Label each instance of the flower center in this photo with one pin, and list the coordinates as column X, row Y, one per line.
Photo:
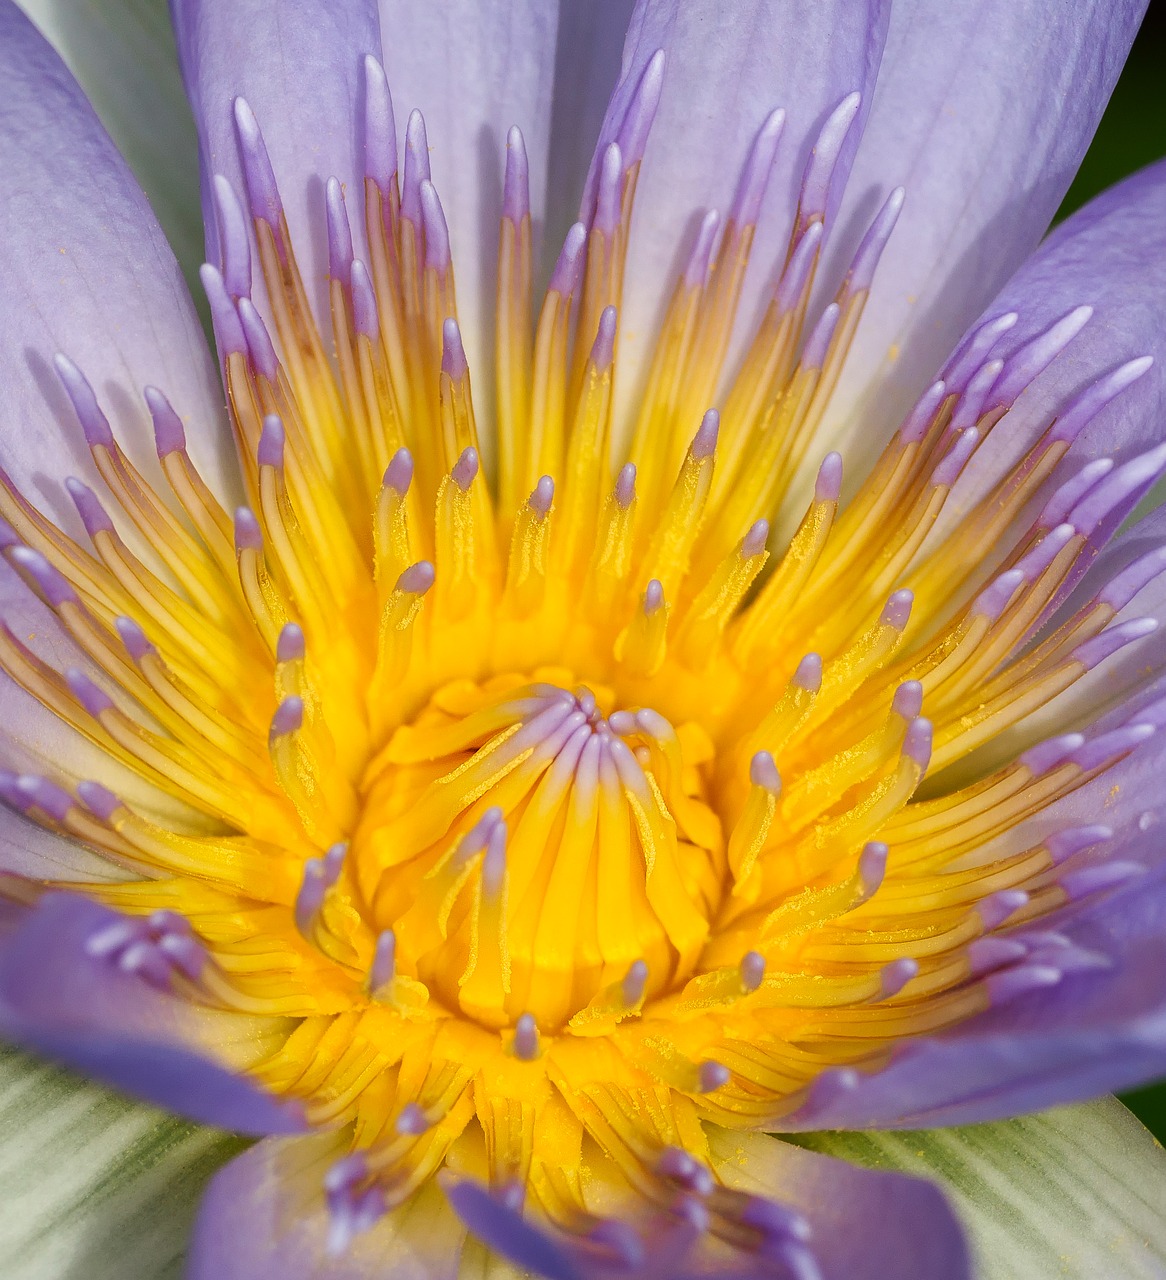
column 535, row 852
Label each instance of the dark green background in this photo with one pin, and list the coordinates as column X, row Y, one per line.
column 1132, row 134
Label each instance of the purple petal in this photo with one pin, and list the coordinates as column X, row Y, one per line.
column 983, row 113
column 265, row 1214
column 84, row 269
column 728, row 67
column 1100, row 1029
column 82, row 1009
column 298, row 66
column 473, row 70
column 865, row 1225
column 125, row 61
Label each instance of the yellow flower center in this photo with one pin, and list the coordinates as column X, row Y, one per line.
column 532, row 801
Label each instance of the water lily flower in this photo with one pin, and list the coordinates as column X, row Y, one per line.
column 651, row 655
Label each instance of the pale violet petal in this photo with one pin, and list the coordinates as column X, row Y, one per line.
column 983, row 113
column 122, row 53
column 728, row 67
column 473, row 70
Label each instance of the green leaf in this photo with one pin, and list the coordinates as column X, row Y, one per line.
column 92, row 1185
column 1074, row 1192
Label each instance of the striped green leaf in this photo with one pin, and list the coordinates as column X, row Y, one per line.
column 1078, row 1193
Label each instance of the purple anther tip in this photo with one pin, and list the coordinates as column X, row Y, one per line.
column 653, row 597
column 8, row 536
column 380, row 128
column 412, row 1122
column 1106, row 747
column 258, row 175
column 828, row 486
column 334, row 862
column 622, row 722
column 543, row 495
column 1093, row 652
column 99, row 800
column 399, row 473
column 1124, row 586
column 271, row 441
column 603, row 348
column 228, row 329
column 465, row 469
column 494, row 860
column 569, row 265
column 995, row 598
column 51, row 583
column 975, row 349
column 169, row 434
column 753, row 543
column 437, row 249
column 1010, row 984
column 763, row 773
column 872, row 865
column 956, row 458
column 516, row 185
column 1062, row 845
column 821, row 335
column 921, row 417
column 1085, row 406
column 364, row 301
column 607, row 206
column 986, row 954
column 384, row 961
column 712, row 1076
column 247, row 534
column 917, row 742
column 796, row 276
column 288, row 718
column 339, row 231
column 134, row 638
column 866, row 259
column 908, row 700
column 895, row 976
column 625, row 486
column 997, row 907
column 417, row 578
column 526, row 1038
column 704, row 443
column 290, row 646
column 93, row 422
column 260, row 349
column 755, row 175
column 897, row 609
column 752, row 970
column 310, row 897
column 234, row 237
column 971, row 403
column 808, row 675
column 641, row 111
column 416, row 167
column 820, row 167
column 634, row 983
column 696, row 271
column 95, row 701
column 1090, row 880
column 453, row 353
column 93, row 514
column 45, row 794
column 1037, row 354
column 1050, row 753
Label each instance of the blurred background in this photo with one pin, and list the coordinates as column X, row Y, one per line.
column 1132, row 134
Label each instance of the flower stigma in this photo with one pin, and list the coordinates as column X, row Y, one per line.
column 548, row 807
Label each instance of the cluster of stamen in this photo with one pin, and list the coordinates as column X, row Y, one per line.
column 533, row 800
